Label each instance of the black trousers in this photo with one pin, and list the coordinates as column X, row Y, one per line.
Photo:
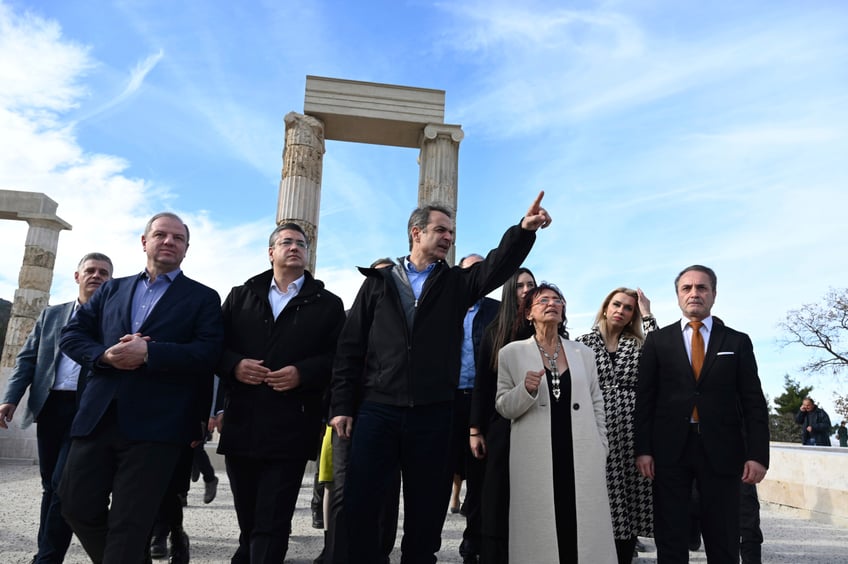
column 54, row 441
column 135, row 473
column 264, row 494
column 471, row 469
column 718, row 507
column 170, row 518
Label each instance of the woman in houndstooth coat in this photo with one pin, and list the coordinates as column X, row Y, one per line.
column 616, row 339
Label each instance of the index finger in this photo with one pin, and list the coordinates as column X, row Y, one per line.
column 537, row 203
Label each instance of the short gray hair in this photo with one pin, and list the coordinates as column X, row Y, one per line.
column 288, row 226
column 420, row 217
column 171, row 215
column 95, row 256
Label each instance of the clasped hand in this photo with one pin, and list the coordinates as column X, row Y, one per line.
column 253, row 372
column 128, row 353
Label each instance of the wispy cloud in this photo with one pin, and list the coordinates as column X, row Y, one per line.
column 135, row 81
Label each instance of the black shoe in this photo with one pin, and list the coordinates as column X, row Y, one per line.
column 694, row 544
column 183, row 499
column 159, row 546
column 210, row 490
column 317, row 520
column 179, row 548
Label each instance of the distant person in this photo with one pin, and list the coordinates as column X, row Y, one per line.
column 815, row 424
column 281, row 328
column 399, row 353
column 702, row 418
column 616, row 339
column 488, row 430
column 465, row 465
column 151, row 342
column 55, row 383
column 548, row 387
column 842, row 435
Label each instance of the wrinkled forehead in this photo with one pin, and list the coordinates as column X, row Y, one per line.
column 290, row 234
column 168, row 225
column 95, row 265
column 438, row 218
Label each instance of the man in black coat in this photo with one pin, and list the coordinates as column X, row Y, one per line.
column 281, row 329
column 700, row 417
column 400, row 353
column 815, row 424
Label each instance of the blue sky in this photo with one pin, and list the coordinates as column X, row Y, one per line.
column 664, row 134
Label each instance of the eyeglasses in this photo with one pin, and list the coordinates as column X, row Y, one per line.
column 550, row 301
column 299, row 243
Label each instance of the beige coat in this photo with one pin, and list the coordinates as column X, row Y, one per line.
column 532, row 528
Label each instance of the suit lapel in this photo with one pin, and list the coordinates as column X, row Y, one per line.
column 716, row 341
column 168, row 300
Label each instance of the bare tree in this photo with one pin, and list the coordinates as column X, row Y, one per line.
column 824, row 327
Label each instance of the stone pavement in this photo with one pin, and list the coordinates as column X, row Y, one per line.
column 213, row 530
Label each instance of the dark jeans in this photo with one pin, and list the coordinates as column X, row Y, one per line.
column 54, row 441
column 416, row 440
column 135, row 473
column 335, row 541
column 264, row 494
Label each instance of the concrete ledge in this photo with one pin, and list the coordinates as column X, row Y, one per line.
column 809, row 481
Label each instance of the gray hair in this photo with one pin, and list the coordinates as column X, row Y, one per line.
column 698, row 268
column 159, row 215
column 95, row 256
column 288, row 226
column 420, row 217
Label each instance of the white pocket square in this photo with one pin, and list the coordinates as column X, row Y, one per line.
column 724, row 353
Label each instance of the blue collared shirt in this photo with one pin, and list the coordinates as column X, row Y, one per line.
column 147, row 295
column 468, row 369
column 67, row 371
column 416, row 278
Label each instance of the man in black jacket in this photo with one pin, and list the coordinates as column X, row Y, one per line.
column 815, row 424
column 399, row 353
column 280, row 332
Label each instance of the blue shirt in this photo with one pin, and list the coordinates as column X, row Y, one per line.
column 147, row 295
column 417, row 279
column 468, row 368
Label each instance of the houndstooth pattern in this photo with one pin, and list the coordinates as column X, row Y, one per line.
column 631, row 500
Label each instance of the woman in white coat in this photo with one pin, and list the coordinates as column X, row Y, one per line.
column 548, row 388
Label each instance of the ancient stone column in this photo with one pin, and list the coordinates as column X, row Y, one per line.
column 34, row 280
column 300, row 187
column 439, row 165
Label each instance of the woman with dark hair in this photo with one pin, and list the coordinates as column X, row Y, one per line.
column 548, row 387
column 616, row 339
column 489, row 432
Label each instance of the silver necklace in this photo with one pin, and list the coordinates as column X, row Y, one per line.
column 552, row 362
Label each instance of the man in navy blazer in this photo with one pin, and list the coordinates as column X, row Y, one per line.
column 151, row 342
column 55, row 382
column 711, row 428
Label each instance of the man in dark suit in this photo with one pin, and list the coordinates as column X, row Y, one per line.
column 281, row 328
column 700, row 417
column 55, row 382
column 151, row 342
